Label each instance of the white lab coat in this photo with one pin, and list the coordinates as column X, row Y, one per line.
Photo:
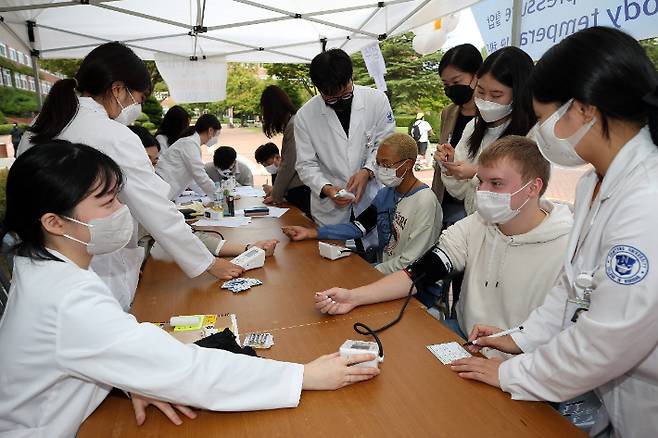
column 146, row 195
column 163, row 141
column 325, row 155
column 65, row 342
column 181, row 164
column 612, row 347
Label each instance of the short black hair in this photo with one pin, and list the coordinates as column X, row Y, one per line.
column 224, row 157
column 207, row 121
column 145, row 136
column 266, row 151
column 331, row 71
column 53, row 177
column 464, row 57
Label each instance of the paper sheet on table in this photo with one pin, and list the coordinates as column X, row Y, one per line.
column 249, row 192
column 229, row 222
column 274, row 212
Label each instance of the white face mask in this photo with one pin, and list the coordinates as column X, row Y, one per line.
column 130, row 113
column 561, row 151
column 495, row 208
column 213, row 141
column 107, row 234
column 272, row 169
column 225, row 173
column 388, row 176
column 492, row 111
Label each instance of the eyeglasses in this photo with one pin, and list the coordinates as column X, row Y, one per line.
column 333, row 100
column 392, row 165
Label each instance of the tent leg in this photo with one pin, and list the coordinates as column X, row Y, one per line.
column 34, row 53
column 516, row 23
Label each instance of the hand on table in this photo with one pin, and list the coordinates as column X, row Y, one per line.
column 335, row 301
column 295, row 232
column 332, row 371
column 224, row 270
column 267, row 245
column 140, row 403
column 478, row 368
column 357, row 183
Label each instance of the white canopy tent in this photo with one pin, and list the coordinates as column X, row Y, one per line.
column 236, row 30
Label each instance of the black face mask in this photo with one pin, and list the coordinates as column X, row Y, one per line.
column 341, row 105
column 459, row 94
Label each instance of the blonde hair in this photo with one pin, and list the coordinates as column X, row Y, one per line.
column 524, row 155
column 404, row 144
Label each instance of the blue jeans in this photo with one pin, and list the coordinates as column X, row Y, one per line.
column 453, row 325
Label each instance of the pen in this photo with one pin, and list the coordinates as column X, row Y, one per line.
column 496, row 335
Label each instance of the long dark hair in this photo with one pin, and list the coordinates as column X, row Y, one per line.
column 464, row 57
column 174, row 123
column 276, row 108
column 53, row 177
column 510, row 66
column 106, row 64
column 607, row 69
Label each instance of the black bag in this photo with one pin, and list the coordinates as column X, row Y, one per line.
column 225, row 340
column 415, row 131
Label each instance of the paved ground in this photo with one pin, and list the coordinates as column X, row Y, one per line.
column 246, row 140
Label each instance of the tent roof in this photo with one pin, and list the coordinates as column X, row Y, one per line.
column 240, row 30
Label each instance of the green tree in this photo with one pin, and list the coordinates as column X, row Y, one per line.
column 651, row 48
column 152, row 108
column 67, row 67
column 243, row 89
column 293, row 76
column 413, row 80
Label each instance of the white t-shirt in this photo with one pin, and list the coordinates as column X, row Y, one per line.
column 424, row 128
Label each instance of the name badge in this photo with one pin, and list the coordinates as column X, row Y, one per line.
column 572, row 310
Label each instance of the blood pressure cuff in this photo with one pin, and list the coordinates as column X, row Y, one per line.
column 225, row 340
column 433, row 266
column 367, row 220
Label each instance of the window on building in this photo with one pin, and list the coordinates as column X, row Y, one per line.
column 3, row 50
column 31, row 83
column 12, row 54
column 6, row 77
column 28, row 60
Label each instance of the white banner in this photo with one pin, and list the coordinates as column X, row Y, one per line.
column 372, row 56
column 544, row 23
column 193, row 81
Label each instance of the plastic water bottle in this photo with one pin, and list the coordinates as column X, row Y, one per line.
column 218, row 200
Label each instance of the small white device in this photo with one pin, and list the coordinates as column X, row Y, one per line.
column 342, row 193
column 252, row 258
column 213, row 215
column 350, row 348
column 332, row 252
column 176, row 321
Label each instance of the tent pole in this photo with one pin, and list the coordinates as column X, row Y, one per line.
column 516, row 22
column 34, row 53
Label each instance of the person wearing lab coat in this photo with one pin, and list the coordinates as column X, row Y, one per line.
column 112, row 82
column 65, row 341
column 175, row 122
column 181, row 164
column 597, row 328
column 337, row 134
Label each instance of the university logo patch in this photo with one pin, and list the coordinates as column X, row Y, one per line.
column 626, row 265
column 389, row 117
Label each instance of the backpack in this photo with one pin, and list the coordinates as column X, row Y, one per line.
column 415, row 131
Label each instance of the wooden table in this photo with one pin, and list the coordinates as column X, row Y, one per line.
column 415, row 395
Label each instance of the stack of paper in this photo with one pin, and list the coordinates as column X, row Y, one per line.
column 249, row 192
column 229, row 222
